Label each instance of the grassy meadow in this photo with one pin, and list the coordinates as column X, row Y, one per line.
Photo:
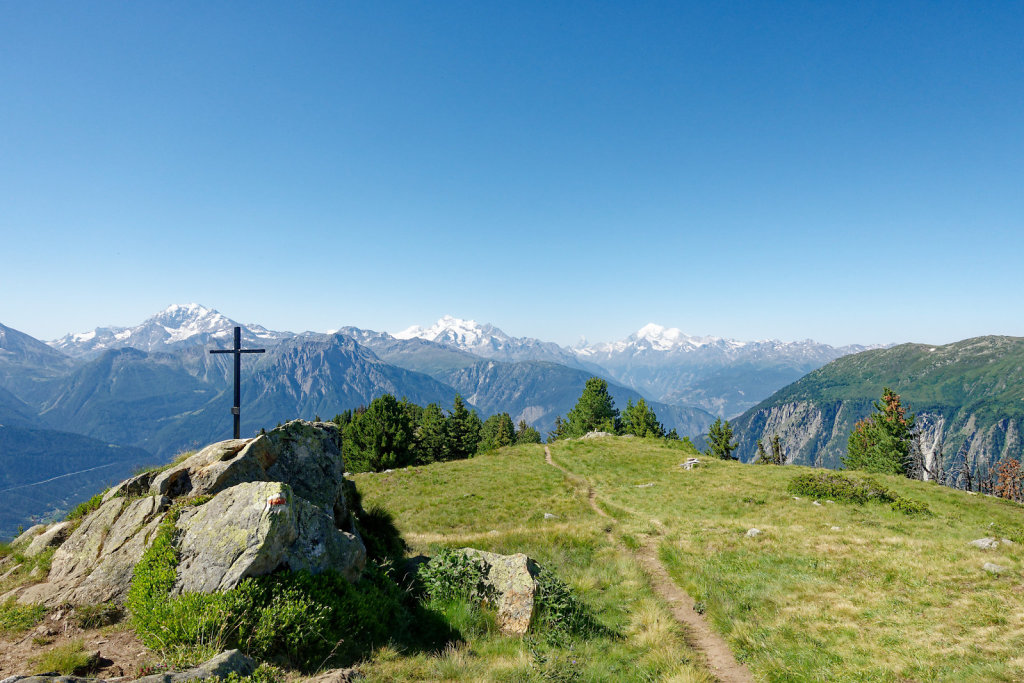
column 834, row 591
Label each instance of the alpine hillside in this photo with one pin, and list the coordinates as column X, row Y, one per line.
column 968, row 397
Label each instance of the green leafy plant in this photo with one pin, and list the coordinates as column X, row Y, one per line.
column 451, row 575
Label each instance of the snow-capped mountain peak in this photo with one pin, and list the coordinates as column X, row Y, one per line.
column 465, row 334
column 177, row 325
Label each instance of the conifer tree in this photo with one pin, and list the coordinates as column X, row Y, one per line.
column 432, row 436
column 720, row 443
column 881, row 442
column 640, row 420
column 379, row 438
column 594, row 411
column 497, row 431
column 463, row 430
column 526, row 434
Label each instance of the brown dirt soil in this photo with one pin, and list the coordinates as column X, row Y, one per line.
column 699, row 635
column 121, row 652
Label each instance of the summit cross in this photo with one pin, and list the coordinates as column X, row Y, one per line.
column 236, row 410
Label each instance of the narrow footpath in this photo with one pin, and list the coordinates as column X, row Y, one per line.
column 699, row 635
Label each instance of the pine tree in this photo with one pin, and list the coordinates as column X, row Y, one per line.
column 379, row 438
column 497, row 431
column 561, row 430
column 463, row 430
column 594, row 411
column 882, row 441
column 720, row 443
column 640, row 420
column 526, row 434
column 432, row 436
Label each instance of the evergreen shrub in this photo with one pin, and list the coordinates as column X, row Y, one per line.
column 840, row 487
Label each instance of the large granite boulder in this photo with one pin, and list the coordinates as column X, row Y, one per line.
column 257, row 528
column 304, row 455
column 277, row 502
column 510, row 583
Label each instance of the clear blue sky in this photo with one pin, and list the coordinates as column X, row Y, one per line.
column 848, row 172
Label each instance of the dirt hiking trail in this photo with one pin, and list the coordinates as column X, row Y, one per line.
column 699, row 635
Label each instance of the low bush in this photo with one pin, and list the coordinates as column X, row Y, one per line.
column 911, row 507
column 451, row 576
column 840, row 487
column 844, row 488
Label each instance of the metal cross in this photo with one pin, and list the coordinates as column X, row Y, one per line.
column 238, row 351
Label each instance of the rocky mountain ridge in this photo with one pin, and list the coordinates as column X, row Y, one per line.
column 968, row 398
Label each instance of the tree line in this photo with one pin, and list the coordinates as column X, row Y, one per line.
column 595, row 411
column 391, row 433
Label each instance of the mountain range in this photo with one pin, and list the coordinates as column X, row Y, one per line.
column 968, row 398
column 148, row 391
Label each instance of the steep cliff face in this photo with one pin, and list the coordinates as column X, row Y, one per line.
column 968, row 398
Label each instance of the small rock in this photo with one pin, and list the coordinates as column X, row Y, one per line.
column 830, row 502
column 972, row 493
column 837, row 528
column 993, row 568
column 816, row 503
column 1006, row 541
column 644, row 486
column 337, row 676
column 796, row 497
column 548, row 515
column 754, row 532
column 690, row 463
column 387, row 471
column 987, row 543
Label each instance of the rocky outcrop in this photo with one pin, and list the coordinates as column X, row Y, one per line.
column 254, row 529
column 276, row 502
column 510, row 583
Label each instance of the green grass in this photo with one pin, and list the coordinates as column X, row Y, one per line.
column 885, row 597
column 496, row 502
column 67, row 659
column 15, row 618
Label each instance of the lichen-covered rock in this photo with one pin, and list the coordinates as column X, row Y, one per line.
column 309, row 460
column 304, row 455
column 220, row 667
column 985, row 543
column 254, row 529
column 53, row 535
column 215, row 468
column 130, row 488
column 96, row 563
column 510, row 582
column 278, row 502
column 26, row 536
